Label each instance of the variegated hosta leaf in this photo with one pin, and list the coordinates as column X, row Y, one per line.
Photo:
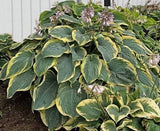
column 20, row 82
column 128, row 54
column 80, row 38
column 135, row 106
column 78, row 8
column 122, row 72
column 157, row 120
column 22, row 62
column 3, row 47
column 15, row 45
column 148, row 51
column 78, row 53
column 82, row 80
column 123, row 124
column 72, row 123
column 45, row 94
column 89, row 109
column 108, row 126
column 66, row 68
column 117, row 38
column 144, row 77
column 134, row 94
column 145, row 91
column 91, row 68
column 135, row 125
column 51, row 118
column 54, row 48
column 105, row 73
column 34, row 36
column 134, row 44
column 45, row 15
column 117, row 113
column 104, row 98
column 3, row 72
column 30, row 45
column 89, row 125
column 42, row 64
column 67, row 4
column 44, row 19
column 120, row 88
column 122, row 97
column 68, row 99
column 106, row 47
column 5, row 37
column 120, row 17
column 151, row 126
column 62, row 32
column 127, row 129
column 2, row 62
column 130, row 124
column 70, row 19
column 76, row 75
column 150, row 109
column 81, row 122
column 155, row 79
column 157, row 101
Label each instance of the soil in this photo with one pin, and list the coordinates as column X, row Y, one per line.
column 17, row 114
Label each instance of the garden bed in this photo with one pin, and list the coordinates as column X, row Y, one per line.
column 16, row 113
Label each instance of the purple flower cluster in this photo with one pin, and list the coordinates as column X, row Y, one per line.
column 87, row 14
column 38, row 29
column 67, row 9
column 105, row 18
column 57, row 15
column 60, row 12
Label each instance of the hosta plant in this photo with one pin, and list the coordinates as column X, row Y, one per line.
column 84, row 68
column 7, row 50
column 146, row 27
column 6, row 44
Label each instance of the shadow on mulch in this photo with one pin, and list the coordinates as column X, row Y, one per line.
column 17, row 114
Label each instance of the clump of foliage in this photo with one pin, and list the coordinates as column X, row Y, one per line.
column 7, row 50
column 145, row 22
column 85, row 68
column 149, row 31
column 149, row 7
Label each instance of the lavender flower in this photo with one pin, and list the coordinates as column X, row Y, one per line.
column 154, row 60
column 38, row 29
column 66, row 9
column 87, row 14
column 58, row 8
column 40, row 33
column 52, row 18
column 105, row 18
column 58, row 14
